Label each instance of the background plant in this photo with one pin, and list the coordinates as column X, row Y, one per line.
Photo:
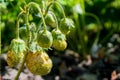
column 91, row 21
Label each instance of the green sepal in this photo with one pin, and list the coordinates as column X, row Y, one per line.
column 18, row 46
column 34, row 47
column 58, row 35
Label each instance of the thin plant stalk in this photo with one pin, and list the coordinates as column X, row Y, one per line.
column 82, row 34
column 99, row 26
column 28, row 40
column 39, row 9
column 55, row 2
column 0, row 32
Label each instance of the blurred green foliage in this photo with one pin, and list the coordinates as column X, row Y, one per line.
column 100, row 23
column 107, row 11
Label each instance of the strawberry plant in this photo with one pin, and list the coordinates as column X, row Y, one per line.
column 33, row 39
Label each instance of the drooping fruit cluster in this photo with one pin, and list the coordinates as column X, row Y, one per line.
column 37, row 39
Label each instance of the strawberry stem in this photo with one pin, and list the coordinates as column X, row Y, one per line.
column 61, row 8
column 28, row 40
column 17, row 32
column 58, row 4
column 39, row 9
column 55, row 19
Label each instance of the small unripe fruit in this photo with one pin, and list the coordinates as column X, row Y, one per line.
column 38, row 63
column 16, row 52
column 13, row 59
column 60, row 44
column 50, row 21
column 45, row 39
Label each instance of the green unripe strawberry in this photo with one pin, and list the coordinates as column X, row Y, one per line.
column 16, row 52
column 65, row 25
column 50, row 21
column 44, row 39
column 13, row 59
column 59, row 42
column 38, row 63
